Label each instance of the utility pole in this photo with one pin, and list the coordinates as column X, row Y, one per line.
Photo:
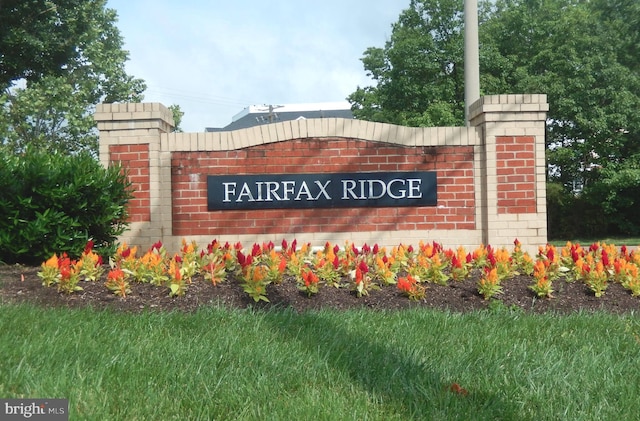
column 471, row 56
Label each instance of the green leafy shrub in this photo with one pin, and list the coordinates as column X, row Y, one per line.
column 618, row 193
column 53, row 203
column 572, row 215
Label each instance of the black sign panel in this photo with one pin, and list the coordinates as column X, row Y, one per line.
column 337, row 190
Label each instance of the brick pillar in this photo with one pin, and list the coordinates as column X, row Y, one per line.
column 131, row 134
column 513, row 168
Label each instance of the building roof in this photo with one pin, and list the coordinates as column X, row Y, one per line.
column 255, row 115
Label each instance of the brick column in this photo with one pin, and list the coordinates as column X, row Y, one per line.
column 513, row 171
column 131, row 134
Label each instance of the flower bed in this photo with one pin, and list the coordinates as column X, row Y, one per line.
column 360, row 270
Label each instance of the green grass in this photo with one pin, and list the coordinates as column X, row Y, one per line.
column 618, row 241
column 220, row 364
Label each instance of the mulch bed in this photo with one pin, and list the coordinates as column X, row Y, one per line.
column 21, row 284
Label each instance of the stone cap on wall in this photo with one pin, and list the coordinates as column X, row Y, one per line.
column 318, row 129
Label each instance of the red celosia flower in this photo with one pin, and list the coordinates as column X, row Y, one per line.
column 65, row 272
column 89, row 247
column 605, row 258
column 574, row 255
column 455, row 262
column 241, row 258
column 551, row 254
column 491, row 257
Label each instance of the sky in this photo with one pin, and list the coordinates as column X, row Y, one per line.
column 214, row 58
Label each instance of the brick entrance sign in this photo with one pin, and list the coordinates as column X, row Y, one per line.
column 335, row 180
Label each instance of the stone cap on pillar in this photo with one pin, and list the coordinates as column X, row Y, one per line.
column 511, row 107
column 134, row 116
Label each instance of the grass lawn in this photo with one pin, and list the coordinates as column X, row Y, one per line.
column 585, row 242
column 221, row 364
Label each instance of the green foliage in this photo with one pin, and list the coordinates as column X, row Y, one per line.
column 53, row 107
column 34, row 37
column 53, row 203
column 577, row 54
column 573, row 215
column 584, row 55
column 618, row 192
column 419, row 73
column 177, row 116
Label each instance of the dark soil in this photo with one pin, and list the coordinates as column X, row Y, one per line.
column 21, row 284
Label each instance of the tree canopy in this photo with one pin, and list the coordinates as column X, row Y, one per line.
column 37, row 37
column 584, row 54
column 58, row 59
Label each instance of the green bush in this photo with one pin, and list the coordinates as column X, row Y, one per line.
column 618, row 193
column 571, row 216
column 53, row 203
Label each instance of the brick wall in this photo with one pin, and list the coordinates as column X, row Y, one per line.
column 454, row 167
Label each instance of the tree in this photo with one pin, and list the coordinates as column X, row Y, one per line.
column 53, row 106
column 584, row 54
column 578, row 54
column 419, row 74
column 177, row 116
column 38, row 37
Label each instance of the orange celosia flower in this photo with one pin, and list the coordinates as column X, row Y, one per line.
column 540, row 269
column 309, row 278
column 115, row 274
column 52, row 262
column 406, row 284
